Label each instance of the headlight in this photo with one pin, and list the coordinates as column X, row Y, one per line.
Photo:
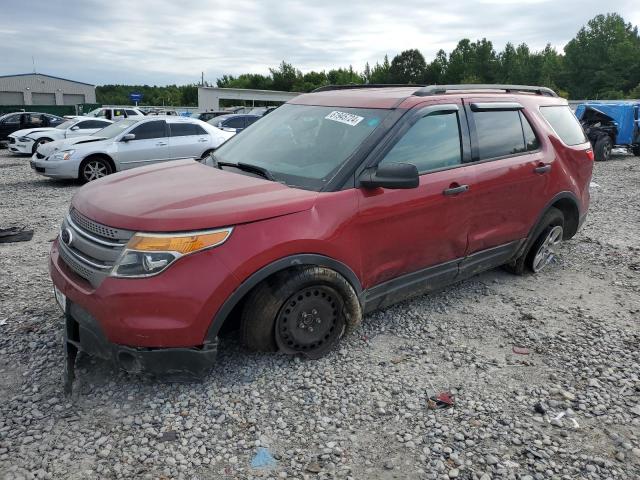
column 148, row 254
column 62, row 155
column 25, row 139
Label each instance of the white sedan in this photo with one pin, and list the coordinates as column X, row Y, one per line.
column 128, row 144
column 28, row 140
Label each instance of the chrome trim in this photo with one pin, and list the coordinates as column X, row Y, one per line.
column 91, row 237
column 83, row 259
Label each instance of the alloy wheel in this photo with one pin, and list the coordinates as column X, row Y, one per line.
column 547, row 250
column 94, row 170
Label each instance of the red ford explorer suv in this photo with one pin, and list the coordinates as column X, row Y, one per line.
column 339, row 202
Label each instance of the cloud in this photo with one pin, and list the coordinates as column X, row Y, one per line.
column 169, row 41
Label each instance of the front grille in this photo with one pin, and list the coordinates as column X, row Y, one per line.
column 90, row 249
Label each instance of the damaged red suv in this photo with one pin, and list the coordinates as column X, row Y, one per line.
column 339, row 202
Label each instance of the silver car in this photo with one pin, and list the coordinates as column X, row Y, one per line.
column 127, row 144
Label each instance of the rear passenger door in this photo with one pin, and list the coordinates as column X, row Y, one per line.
column 511, row 178
column 187, row 140
column 150, row 145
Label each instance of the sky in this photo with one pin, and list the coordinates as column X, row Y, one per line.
column 159, row 42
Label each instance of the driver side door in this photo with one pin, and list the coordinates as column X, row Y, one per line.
column 150, row 145
column 415, row 239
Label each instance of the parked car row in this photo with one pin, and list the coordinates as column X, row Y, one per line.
column 127, row 144
column 12, row 122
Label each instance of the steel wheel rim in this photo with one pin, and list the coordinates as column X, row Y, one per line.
column 94, row 170
column 310, row 319
column 607, row 151
column 547, row 250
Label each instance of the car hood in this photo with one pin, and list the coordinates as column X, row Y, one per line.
column 27, row 131
column 67, row 143
column 185, row 195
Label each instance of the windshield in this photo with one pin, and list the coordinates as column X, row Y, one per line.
column 115, row 128
column 98, row 112
column 67, row 124
column 302, row 145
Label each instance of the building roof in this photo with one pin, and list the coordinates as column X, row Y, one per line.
column 45, row 75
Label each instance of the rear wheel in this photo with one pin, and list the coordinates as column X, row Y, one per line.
column 547, row 236
column 603, row 149
column 39, row 142
column 306, row 310
column 94, row 168
column 636, row 150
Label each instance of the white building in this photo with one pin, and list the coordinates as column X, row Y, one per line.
column 209, row 97
column 39, row 89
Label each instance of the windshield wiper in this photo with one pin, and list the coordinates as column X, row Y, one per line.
column 247, row 167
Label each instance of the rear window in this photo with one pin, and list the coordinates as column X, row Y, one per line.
column 564, row 123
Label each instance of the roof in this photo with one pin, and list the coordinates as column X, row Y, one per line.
column 45, row 75
column 407, row 96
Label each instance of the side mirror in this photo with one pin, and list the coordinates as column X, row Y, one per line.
column 390, row 175
column 75, row 127
column 128, row 137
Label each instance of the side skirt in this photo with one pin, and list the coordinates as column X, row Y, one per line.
column 438, row 276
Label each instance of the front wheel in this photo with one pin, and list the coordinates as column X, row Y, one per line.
column 603, row 149
column 94, row 168
column 306, row 310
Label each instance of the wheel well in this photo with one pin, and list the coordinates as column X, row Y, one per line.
column 103, row 156
column 571, row 215
column 227, row 319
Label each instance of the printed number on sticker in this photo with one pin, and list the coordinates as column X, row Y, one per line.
column 343, row 117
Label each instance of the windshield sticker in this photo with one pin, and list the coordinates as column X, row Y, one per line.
column 346, row 118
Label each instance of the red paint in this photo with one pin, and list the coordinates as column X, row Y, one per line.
column 379, row 234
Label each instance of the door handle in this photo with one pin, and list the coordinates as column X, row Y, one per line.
column 456, row 190
column 542, row 169
column 202, row 139
column 161, row 144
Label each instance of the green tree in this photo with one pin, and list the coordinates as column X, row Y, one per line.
column 408, row 67
column 381, row 74
column 603, row 57
column 284, row 77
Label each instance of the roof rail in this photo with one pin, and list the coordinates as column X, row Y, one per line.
column 350, row 86
column 441, row 89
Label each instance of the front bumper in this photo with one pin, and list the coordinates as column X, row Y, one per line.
column 53, row 169
column 23, row 148
column 84, row 334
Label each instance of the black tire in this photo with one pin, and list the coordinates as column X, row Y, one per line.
column 602, row 149
column 268, row 308
column 102, row 165
column 39, row 142
column 636, row 150
column 524, row 263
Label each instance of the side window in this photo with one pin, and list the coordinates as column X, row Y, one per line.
column 38, row 120
column 235, row 122
column 102, row 113
column 564, row 123
column 155, row 129
column 88, row 124
column 131, row 112
column 200, row 130
column 433, row 142
column 182, row 129
column 531, row 142
column 499, row 133
column 12, row 120
column 251, row 120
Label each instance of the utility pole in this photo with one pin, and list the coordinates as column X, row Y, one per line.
column 202, row 81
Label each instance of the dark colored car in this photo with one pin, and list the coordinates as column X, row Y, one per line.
column 235, row 122
column 337, row 203
column 13, row 122
column 206, row 116
column 611, row 124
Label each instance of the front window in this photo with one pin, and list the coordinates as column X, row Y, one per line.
column 115, row 129
column 303, row 145
column 98, row 112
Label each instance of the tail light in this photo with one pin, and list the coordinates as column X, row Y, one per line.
column 589, row 153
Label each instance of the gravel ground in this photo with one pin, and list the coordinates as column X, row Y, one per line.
column 361, row 412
